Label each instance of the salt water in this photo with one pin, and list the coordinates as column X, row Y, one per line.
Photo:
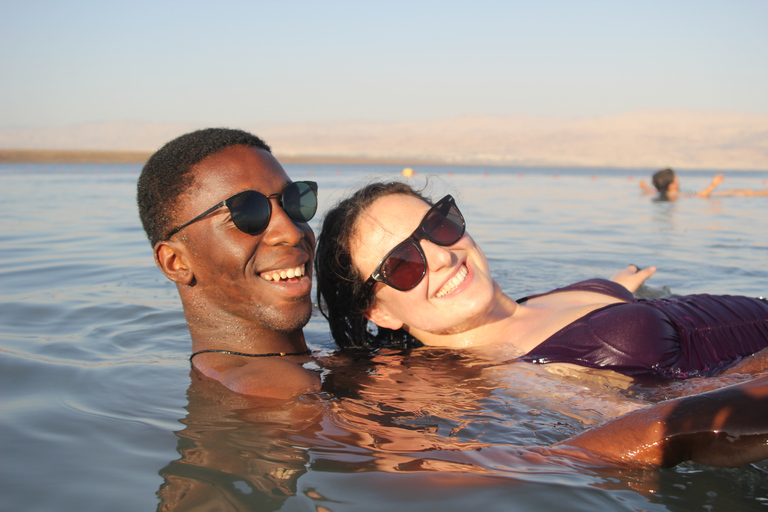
column 100, row 411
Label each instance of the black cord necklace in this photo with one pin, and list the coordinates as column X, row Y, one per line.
column 271, row 354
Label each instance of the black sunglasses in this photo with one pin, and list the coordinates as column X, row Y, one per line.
column 406, row 265
column 251, row 210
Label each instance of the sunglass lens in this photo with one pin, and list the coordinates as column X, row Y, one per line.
column 300, row 201
column 444, row 227
column 404, row 267
column 250, row 212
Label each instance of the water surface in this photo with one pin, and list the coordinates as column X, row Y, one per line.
column 101, row 412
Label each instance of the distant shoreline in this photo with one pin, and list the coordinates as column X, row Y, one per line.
column 642, row 139
column 55, row 156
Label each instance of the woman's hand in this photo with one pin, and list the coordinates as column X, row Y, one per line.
column 632, row 277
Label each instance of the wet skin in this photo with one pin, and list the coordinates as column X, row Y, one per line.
column 226, row 278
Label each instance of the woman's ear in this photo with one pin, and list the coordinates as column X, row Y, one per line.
column 171, row 259
column 382, row 317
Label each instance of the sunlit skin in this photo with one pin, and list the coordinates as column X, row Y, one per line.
column 477, row 300
column 475, row 312
column 224, row 277
column 726, row 427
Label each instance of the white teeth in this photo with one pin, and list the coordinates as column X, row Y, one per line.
column 285, row 273
column 453, row 283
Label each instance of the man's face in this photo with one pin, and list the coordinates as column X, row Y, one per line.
column 236, row 274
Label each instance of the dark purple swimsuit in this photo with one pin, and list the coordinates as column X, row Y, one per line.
column 676, row 337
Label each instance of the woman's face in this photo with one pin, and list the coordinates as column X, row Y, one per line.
column 453, row 295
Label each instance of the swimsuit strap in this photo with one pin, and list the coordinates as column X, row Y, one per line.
column 271, row 354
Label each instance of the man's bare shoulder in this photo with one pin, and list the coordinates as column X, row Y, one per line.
column 269, row 377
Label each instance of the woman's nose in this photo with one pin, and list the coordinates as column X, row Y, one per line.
column 437, row 256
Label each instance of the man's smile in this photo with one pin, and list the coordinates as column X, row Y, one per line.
column 292, row 274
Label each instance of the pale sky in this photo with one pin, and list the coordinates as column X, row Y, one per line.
column 251, row 62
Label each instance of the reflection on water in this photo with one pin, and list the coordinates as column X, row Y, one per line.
column 100, row 410
column 233, row 451
column 455, row 424
column 392, row 413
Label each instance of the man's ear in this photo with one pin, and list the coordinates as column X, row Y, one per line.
column 382, row 317
column 171, row 259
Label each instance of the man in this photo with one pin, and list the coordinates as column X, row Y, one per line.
column 242, row 263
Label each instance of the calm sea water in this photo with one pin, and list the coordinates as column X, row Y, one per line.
column 99, row 409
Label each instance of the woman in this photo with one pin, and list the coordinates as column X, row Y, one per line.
column 386, row 255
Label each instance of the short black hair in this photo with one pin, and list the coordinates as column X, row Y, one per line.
column 167, row 174
column 342, row 296
column 663, row 179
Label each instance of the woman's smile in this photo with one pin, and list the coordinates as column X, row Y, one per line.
column 453, row 282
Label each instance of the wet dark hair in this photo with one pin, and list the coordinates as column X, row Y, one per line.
column 168, row 174
column 663, row 179
column 341, row 293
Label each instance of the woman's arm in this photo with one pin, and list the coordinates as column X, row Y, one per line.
column 632, row 277
column 725, row 427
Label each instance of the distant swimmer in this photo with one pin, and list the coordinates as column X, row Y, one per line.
column 668, row 187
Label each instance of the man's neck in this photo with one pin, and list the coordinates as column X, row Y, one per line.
column 235, row 334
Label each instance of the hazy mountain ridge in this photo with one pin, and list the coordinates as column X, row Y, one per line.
column 677, row 138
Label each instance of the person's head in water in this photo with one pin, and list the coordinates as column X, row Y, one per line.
column 665, row 181
column 230, row 228
column 342, row 295
column 202, row 169
column 388, row 255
